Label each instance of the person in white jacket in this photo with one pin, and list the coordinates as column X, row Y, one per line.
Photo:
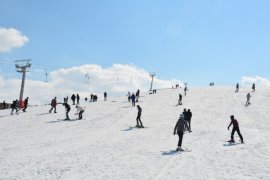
column 80, row 111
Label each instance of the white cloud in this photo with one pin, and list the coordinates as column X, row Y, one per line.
column 11, row 38
column 247, row 81
column 86, row 79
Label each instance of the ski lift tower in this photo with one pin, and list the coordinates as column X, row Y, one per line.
column 22, row 66
column 152, row 75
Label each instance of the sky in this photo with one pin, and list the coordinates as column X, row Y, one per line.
column 192, row 41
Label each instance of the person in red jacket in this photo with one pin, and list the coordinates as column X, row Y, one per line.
column 53, row 104
column 235, row 124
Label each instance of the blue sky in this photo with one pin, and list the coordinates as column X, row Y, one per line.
column 194, row 41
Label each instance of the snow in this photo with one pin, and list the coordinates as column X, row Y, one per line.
column 38, row 145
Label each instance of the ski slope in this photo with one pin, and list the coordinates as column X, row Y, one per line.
column 38, row 145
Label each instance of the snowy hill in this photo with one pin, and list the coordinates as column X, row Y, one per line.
column 37, row 145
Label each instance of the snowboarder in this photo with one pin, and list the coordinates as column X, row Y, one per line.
column 73, row 97
column 137, row 95
column 53, row 104
column 138, row 119
column 25, row 104
column 80, row 111
column 133, row 98
column 78, row 99
column 180, row 128
column 237, row 88
column 253, row 87
column 189, row 116
column 235, row 128
column 14, row 106
column 180, row 99
column 248, row 99
column 105, row 96
column 67, row 106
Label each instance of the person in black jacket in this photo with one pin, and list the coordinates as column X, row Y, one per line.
column 180, row 99
column 25, row 104
column 137, row 95
column 73, row 97
column 138, row 119
column 67, row 106
column 180, row 129
column 14, row 106
column 78, row 99
column 188, row 119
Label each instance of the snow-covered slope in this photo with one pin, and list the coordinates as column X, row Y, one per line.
column 37, row 145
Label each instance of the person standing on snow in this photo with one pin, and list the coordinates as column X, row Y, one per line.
column 138, row 119
column 105, row 96
column 80, row 111
column 137, row 95
column 237, row 87
column 189, row 116
column 180, row 99
column 73, row 97
column 185, row 91
column 253, row 87
column 185, row 119
column 25, row 104
column 133, row 98
column 248, row 99
column 67, row 106
column 14, row 106
column 53, row 104
column 235, row 124
column 129, row 97
column 180, row 128
column 78, row 99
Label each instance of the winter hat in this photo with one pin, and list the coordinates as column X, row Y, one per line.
column 181, row 116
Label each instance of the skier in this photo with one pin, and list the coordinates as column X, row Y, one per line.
column 14, row 105
column 248, row 99
column 180, row 99
column 67, row 106
column 253, row 87
column 237, row 87
column 235, row 128
column 189, row 116
column 137, row 95
column 105, row 96
column 80, row 111
column 180, row 128
column 138, row 119
column 73, row 97
column 78, row 99
column 25, row 104
column 133, row 97
column 53, row 104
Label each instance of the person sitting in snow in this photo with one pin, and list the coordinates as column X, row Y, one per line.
column 235, row 124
